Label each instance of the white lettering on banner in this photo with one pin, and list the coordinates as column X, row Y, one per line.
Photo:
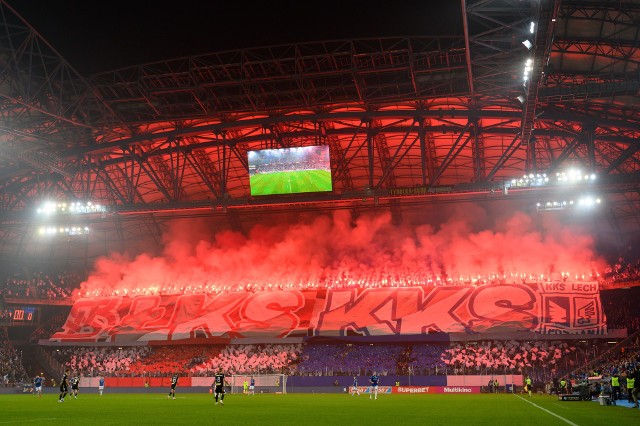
column 457, row 390
column 413, row 390
column 566, row 287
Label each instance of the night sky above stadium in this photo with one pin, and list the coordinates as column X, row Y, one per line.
column 101, row 36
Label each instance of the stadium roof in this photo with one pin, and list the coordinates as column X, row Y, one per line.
column 516, row 87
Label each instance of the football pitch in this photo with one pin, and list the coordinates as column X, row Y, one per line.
column 290, row 182
column 309, row 409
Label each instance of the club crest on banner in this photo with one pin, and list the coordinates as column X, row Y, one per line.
column 571, row 308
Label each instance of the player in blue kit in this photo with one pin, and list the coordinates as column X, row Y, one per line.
column 374, row 385
column 37, row 385
column 252, row 387
column 354, row 387
column 101, row 385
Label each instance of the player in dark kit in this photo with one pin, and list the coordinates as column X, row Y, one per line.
column 218, row 382
column 174, row 383
column 64, row 386
column 75, row 382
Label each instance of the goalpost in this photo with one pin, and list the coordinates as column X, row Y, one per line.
column 265, row 383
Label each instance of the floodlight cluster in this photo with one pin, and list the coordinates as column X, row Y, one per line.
column 77, row 207
column 63, row 230
column 571, row 176
column 583, row 202
column 574, row 176
column 538, row 179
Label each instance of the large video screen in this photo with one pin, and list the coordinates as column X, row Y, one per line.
column 290, row 170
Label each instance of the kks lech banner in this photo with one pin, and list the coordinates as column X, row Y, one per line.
column 562, row 308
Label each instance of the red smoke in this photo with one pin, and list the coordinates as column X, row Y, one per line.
column 337, row 251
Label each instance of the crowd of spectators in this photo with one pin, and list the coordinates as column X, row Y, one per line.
column 349, row 360
column 48, row 328
column 40, row 285
column 541, row 360
column 489, row 357
column 11, row 369
column 96, row 361
column 622, row 309
column 611, row 362
column 426, row 359
column 623, row 270
column 5, row 315
column 192, row 360
column 251, row 359
column 167, row 360
column 597, row 376
column 374, row 280
column 55, row 285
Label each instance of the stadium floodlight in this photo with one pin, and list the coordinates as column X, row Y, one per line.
column 589, row 201
column 528, row 180
column 49, row 208
column 575, row 176
column 528, row 66
column 72, row 230
column 88, row 207
column 527, row 44
column 583, row 202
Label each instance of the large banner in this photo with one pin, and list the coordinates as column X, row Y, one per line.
column 563, row 308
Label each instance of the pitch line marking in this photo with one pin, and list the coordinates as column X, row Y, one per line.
column 550, row 412
column 177, row 397
column 24, row 421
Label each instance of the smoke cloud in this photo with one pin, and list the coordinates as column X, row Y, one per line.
column 337, row 250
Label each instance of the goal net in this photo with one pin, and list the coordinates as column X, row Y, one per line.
column 265, row 383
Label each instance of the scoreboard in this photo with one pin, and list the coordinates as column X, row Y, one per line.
column 26, row 314
column 20, row 315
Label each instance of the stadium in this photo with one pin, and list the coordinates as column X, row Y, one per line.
column 440, row 225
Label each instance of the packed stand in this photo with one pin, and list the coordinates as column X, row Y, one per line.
column 98, row 361
column 11, row 368
column 426, row 359
column 191, row 360
column 167, row 360
column 40, row 285
column 612, row 362
column 339, row 281
column 6, row 315
column 251, row 359
column 622, row 309
column 489, row 357
column 48, row 328
column 623, row 270
column 615, row 376
column 348, row 360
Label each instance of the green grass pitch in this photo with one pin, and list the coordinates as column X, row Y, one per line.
column 290, row 182
column 307, row 409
